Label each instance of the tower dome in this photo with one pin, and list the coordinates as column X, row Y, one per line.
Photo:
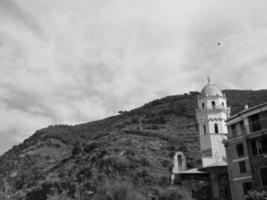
column 210, row 90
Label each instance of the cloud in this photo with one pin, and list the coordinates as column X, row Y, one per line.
column 9, row 9
column 74, row 61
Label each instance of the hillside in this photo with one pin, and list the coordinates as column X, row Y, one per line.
column 67, row 161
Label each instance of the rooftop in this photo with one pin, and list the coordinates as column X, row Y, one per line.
column 192, row 171
column 215, row 164
column 248, row 110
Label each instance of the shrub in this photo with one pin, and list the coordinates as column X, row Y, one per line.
column 164, row 180
column 57, row 196
column 119, row 191
column 171, row 154
column 141, row 174
column 166, row 163
column 19, row 183
column 84, row 173
column 113, row 163
column 135, row 120
column 161, row 120
column 144, row 162
column 37, row 193
column 129, row 152
column 89, row 147
column 2, row 196
column 256, row 195
column 155, row 127
column 170, row 195
column 76, row 149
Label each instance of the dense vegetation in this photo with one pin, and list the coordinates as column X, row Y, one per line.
column 135, row 147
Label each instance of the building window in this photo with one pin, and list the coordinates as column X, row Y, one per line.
column 259, row 146
column 254, row 147
column 263, row 174
column 204, row 129
column 222, row 104
column 233, row 130
column 242, row 166
column 203, row 105
column 255, row 123
column 264, row 145
column 213, row 104
column 216, row 128
column 240, row 149
column 242, row 128
column 246, row 187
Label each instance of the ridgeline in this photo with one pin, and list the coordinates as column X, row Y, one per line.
column 137, row 146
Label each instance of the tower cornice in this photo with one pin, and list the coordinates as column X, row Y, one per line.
column 226, row 110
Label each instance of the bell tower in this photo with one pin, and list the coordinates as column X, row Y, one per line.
column 211, row 115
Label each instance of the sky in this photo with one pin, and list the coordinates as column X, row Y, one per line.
column 70, row 62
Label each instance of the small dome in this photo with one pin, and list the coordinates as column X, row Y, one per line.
column 210, row 90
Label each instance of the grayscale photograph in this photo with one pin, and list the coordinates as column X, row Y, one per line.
column 133, row 100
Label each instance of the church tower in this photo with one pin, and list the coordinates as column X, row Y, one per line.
column 211, row 115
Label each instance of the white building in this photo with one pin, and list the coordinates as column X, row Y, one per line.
column 179, row 162
column 211, row 115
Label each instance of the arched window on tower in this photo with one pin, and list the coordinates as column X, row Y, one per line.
column 213, row 104
column 179, row 160
column 203, row 105
column 216, row 128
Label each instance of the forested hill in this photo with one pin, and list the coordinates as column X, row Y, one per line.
column 61, row 162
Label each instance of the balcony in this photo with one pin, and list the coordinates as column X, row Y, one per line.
column 254, row 134
column 250, row 131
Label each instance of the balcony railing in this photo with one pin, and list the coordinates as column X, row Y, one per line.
column 259, row 127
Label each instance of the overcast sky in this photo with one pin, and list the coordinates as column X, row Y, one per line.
column 69, row 61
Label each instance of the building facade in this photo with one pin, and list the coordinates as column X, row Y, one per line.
column 246, row 148
column 179, row 164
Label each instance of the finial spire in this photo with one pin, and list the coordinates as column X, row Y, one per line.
column 208, row 79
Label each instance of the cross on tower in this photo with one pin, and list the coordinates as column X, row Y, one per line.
column 208, row 80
